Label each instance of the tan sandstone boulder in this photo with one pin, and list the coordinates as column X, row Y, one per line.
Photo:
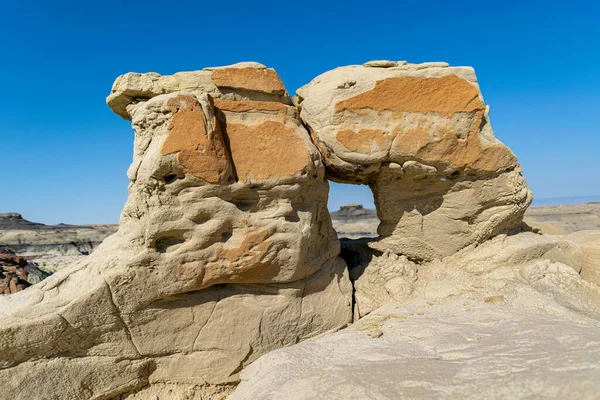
column 224, row 252
column 589, row 243
column 380, row 278
column 512, row 318
column 420, row 137
column 463, row 349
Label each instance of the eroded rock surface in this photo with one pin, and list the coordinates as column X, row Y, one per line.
column 465, row 349
column 512, row 318
column 224, row 252
column 420, row 137
column 380, row 278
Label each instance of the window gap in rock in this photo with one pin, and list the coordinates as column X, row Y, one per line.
column 352, row 211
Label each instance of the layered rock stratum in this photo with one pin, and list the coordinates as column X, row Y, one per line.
column 353, row 221
column 226, row 252
column 51, row 247
column 563, row 219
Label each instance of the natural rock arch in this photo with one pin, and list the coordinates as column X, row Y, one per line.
column 420, row 137
column 226, row 250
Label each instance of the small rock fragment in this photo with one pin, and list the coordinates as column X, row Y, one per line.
column 494, row 299
column 380, row 64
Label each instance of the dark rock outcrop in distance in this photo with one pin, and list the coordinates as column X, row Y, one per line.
column 352, row 212
column 13, row 277
column 16, row 273
column 353, row 221
column 14, row 220
column 51, row 247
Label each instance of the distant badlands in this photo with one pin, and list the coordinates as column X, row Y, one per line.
column 54, row 246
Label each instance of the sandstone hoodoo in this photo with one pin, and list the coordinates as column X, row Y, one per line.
column 420, row 137
column 225, row 249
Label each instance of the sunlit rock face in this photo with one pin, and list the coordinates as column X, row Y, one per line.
column 225, row 250
column 420, row 137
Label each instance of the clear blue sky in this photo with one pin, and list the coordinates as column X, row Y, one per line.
column 64, row 154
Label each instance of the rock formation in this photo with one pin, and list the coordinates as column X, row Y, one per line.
column 13, row 276
column 224, row 252
column 420, row 137
column 383, row 277
column 16, row 273
column 512, row 318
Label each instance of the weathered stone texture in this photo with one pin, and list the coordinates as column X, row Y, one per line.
column 420, row 137
column 225, row 249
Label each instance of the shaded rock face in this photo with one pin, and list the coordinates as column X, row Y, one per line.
column 420, row 137
column 224, row 251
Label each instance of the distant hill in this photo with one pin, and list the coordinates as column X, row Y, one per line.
column 556, row 201
column 354, row 221
column 50, row 246
column 562, row 219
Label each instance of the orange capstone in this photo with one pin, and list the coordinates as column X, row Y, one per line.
column 365, row 141
column 441, row 144
column 447, row 95
column 266, row 150
column 248, row 106
column 259, row 80
column 201, row 153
